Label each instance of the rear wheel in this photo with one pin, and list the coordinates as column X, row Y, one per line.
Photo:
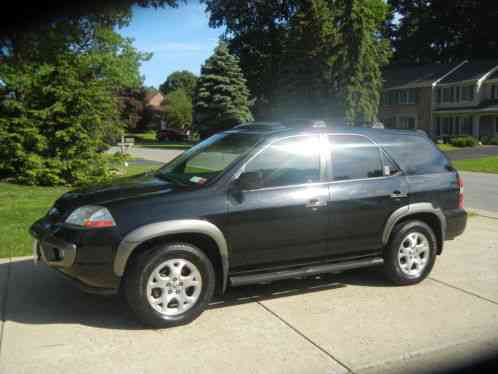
column 411, row 253
column 169, row 285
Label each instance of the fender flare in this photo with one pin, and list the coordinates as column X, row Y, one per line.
column 141, row 234
column 409, row 210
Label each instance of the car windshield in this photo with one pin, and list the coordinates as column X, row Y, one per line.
column 208, row 159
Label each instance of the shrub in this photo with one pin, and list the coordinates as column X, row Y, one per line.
column 464, row 141
column 489, row 140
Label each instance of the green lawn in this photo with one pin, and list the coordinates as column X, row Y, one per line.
column 482, row 165
column 447, row 147
column 20, row 206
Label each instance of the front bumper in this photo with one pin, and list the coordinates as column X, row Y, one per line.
column 64, row 250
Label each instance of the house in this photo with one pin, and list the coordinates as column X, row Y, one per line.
column 444, row 100
column 153, row 99
column 154, row 104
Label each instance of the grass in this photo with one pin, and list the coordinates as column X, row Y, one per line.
column 447, row 147
column 480, row 165
column 20, row 206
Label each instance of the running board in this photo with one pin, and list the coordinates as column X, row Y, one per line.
column 240, row 280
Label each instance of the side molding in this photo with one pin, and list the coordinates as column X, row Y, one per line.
column 154, row 230
column 409, row 210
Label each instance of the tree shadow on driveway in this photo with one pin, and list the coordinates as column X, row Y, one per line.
column 37, row 295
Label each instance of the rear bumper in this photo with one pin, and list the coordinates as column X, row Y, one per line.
column 456, row 221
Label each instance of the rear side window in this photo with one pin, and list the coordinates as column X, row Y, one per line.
column 354, row 157
column 417, row 155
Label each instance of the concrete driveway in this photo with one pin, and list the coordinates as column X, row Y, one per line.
column 337, row 323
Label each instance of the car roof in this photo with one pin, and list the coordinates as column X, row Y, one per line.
column 280, row 129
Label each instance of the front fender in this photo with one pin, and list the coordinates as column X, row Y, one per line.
column 140, row 235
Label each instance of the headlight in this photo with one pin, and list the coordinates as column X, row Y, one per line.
column 91, row 216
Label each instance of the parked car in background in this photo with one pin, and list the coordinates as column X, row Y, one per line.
column 172, row 134
column 254, row 204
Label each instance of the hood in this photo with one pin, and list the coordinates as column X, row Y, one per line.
column 119, row 189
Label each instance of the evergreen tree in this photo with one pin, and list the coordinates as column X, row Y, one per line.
column 361, row 53
column 222, row 98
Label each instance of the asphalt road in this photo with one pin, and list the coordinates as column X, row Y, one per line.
column 472, row 153
column 481, row 191
column 351, row 322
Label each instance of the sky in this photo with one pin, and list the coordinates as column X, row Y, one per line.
column 179, row 38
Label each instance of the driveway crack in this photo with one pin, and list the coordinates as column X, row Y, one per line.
column 297, row 331
column 463, row 290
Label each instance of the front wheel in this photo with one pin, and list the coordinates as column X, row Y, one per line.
column 411, row 253
column 169, row 285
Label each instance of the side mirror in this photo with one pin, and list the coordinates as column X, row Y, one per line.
column 249, row 181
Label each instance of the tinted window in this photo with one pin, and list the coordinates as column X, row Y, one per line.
column 416, row 154
column 288, row 162
column 354, row 157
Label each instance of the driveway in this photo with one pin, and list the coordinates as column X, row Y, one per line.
column 330, row 324
column 151, row 154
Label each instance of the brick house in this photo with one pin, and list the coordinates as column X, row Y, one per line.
column 443, row 100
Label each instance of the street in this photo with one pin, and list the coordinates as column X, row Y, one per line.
column 354, row 321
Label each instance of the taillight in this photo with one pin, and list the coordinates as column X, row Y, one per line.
column 460, row 193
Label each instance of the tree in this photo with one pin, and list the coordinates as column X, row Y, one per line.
column 221, row 98
column 361, row 53
column 132, row 106
column 60, row 106
column 184, row 80
column 443, row 31
column 178, row 109
column 256, row 32
column 308, row 56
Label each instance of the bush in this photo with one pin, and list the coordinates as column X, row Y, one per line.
column 489, row 140
column 464, row 141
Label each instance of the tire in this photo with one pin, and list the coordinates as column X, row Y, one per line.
column 403, row 261
column 155, row 298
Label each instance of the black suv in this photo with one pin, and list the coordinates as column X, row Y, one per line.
column 255, row 204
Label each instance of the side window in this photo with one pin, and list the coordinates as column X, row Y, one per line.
column 354, row 157
column 287, row 162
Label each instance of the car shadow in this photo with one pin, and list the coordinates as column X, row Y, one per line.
column 38, row 295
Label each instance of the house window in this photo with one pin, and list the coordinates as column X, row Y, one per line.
column 406, row 123
column 496, row 125
column 466, row 125
column 494, row 91
column 448, row 95
column 447, row 126
column 412, row 96
column 390, row 122
column 395, row 97
column 467, row 93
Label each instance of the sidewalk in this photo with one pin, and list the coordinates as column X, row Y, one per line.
column 354, row 321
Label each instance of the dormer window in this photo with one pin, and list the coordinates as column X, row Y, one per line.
column 467, row 93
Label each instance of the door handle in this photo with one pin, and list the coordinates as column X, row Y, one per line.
column 398, row 194
column 315, row 203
